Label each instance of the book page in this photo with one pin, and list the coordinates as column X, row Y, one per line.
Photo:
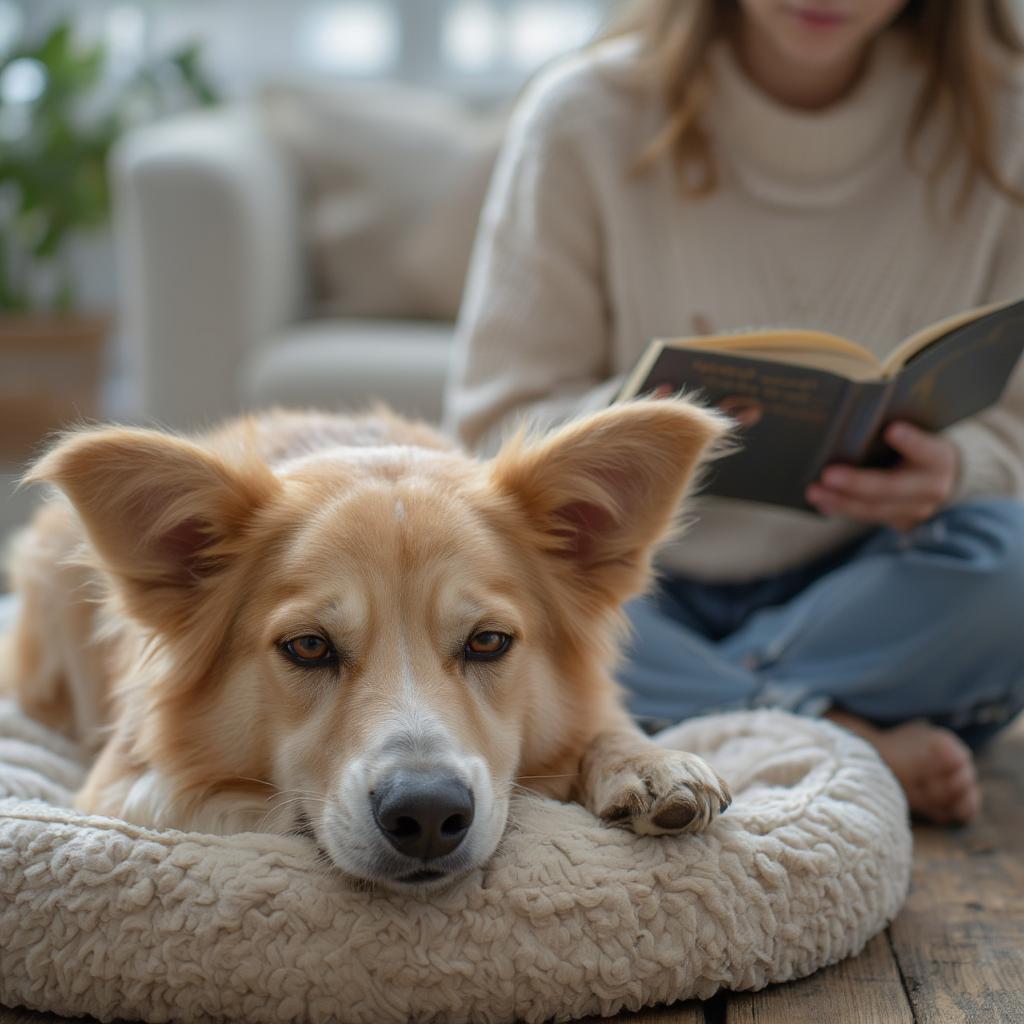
column 815, row 349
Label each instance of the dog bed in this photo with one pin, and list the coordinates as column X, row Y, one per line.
column 569, row 919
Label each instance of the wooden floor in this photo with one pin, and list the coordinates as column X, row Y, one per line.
column 955, row 954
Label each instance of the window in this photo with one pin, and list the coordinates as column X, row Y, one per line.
column 513, row 38
column 486, row 47
column 352, row 38
column 471, row 37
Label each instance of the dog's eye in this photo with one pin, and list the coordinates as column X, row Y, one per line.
column 310, row 651
column 487, row 644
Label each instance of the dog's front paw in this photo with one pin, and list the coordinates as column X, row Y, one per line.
column 661, row 792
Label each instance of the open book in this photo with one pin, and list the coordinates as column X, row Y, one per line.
column 805, row 399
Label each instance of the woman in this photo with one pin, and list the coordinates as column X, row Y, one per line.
column 855, row 167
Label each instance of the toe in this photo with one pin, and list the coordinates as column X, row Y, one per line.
column 947, row 753
column 962, row 781
column 947, row 799
column 968, row 807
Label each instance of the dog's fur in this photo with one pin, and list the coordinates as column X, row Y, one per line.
column 158, row 601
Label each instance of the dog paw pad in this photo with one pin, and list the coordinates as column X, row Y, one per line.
column 674, row 819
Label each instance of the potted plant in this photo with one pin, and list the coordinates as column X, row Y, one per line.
column 59, row 117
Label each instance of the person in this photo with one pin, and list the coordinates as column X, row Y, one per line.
column 855, row 167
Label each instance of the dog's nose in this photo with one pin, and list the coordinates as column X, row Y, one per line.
column 423, row 815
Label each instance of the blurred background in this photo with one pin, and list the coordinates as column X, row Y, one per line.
column 211, row 205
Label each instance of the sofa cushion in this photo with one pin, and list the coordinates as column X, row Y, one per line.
column 351, row 363
column 394, row 180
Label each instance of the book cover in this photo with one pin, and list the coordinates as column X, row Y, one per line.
column 794, row 420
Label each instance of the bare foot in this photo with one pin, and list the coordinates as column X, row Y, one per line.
column 934, row 766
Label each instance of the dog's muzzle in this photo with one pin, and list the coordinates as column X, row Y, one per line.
column 423, row 815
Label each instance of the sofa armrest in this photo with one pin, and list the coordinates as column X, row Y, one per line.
column 206, row 217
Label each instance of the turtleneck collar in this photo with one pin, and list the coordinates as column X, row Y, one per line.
column 794, row 156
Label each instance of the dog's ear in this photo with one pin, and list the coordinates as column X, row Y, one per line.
column 160, row 512
column 602, row 491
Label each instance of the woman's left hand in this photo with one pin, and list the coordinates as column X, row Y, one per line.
column 911, row 492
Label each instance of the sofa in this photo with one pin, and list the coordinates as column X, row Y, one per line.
column 306, row 248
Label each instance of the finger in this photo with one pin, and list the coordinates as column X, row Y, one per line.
column 916, row 445
column 878, row 484
column 915, row 507
column 899, row 515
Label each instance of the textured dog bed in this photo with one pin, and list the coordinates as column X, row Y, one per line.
column 569, row 919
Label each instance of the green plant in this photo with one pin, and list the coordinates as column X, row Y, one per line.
column 54, row 150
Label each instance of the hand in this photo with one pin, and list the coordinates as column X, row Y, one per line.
column 909, row 493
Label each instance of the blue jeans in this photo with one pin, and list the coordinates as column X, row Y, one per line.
column 926, row 624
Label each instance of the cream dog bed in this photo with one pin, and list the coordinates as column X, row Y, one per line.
column 569, row 919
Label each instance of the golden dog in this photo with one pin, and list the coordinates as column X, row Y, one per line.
column 343, row 627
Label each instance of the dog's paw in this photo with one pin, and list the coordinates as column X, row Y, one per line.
column 661, row 792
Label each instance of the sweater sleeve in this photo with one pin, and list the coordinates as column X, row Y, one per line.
column 991, row 445
column 533, row 332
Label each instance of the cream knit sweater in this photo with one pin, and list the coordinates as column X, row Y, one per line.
column 817, row 222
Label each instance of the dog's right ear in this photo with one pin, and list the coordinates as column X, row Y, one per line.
column 161, row 513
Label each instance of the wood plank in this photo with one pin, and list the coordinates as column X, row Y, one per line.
column 959, row 941
column 865, row 989
column 678, row 1013
column 1002, row 773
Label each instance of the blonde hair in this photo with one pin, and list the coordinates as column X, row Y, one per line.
column 965, row 46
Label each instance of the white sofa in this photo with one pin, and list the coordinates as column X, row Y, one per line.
column 218, row 310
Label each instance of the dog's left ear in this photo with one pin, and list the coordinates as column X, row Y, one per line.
column 604, row 490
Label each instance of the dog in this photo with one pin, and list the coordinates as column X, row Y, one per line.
column 346, row 628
